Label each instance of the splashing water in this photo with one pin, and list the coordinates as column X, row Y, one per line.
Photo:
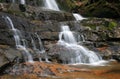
column 51, row 4
column 36, row 50
column 77, row 53
column 78, row 16
column 42, row 50
column 17, row 35
column 40, row 44
column 67, row 35
column 22, row 2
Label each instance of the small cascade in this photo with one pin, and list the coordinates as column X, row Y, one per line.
column 15, row 31
column 22, row 2
column 78, row 16
column 33, row 44
column 24, row 43
column 67, row 35
column 42, row 50
column 80, row 38
column 83, row 38
column 51, row 4
column 77, row 53
column 27, row 55
column 35, row 48
column 18, row 40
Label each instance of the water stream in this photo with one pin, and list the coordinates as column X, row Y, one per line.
column 17, row 34
column 78, row 53
column 78, row 16
column 41, row 48
column 51, row 4
column 22, row 2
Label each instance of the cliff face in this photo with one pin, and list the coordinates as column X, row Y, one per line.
column 100, row 34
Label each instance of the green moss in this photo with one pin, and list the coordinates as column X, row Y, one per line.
column 101, row 23
column 112, row 25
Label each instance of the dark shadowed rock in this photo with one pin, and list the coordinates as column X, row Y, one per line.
column 99, row 8
column 8, row 54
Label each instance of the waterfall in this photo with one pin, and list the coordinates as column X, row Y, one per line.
column 78, row 16
column 80, row 38
column 42, row 50
column 51, row 4
column 22, row 2
column 17, row 35
column 77, row 53
column 16, row 31
column 33, row 44
column 35, row 48
column 40, row 44
column 67, row 35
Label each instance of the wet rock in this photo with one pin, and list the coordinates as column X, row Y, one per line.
column 37, row 13
column 6, row 32
column 101, row 29
column 8, row 56
column 110, row 52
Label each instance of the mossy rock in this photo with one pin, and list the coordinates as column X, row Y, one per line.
column 101, row 23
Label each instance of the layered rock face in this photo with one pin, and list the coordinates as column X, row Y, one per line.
column 100, row 34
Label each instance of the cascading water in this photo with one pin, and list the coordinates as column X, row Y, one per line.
column 22, row 2
column 42, row 50
column 67, row 35
column 40, row 43
column 16, row 31
column 78, row 16
column 51, row 4
column 35, row 48
column 80, row 38
column 18, row 40
column 33, row 44
column 77, row 53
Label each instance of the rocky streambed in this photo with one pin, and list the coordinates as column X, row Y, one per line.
column 44, row 70
column 100, row 34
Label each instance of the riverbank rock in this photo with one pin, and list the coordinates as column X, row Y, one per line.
column 8, row 57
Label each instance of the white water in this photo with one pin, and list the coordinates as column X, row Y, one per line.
column 81, row 54
column 40, row 44
column 26, row 53
column 22, row 2
column 80, row 38
column 16, row 32
column 18, row 40
column 36, row 50
column 33, row 44
column 78, row 16
column 67, row 35
column 42, row 50
column 51, row 4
